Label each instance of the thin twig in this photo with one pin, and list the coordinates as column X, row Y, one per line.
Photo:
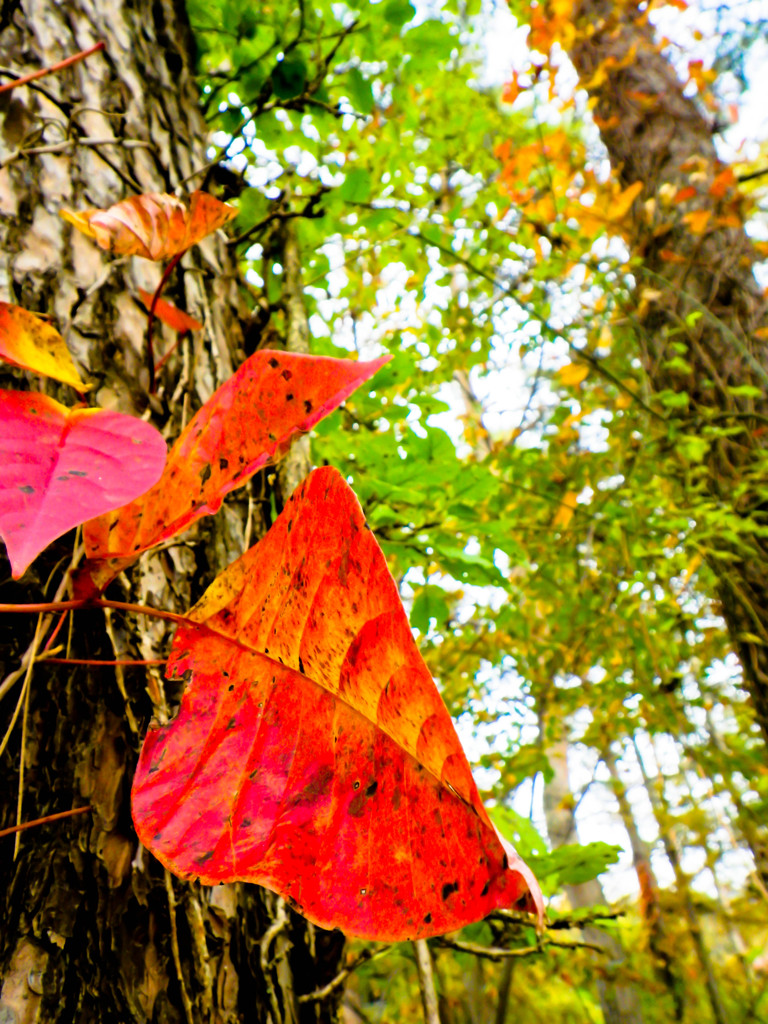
column 426, row 982
column 26, row 690
column 43, row 821
column 279, row 923
column 53, row 68
column 366, row 957
column 188, row 1010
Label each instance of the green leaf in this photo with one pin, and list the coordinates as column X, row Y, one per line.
column 430, row 603
column 289, row 77
column 398, row 12
column 519, row 831
column 360, row 91
column 357, row 186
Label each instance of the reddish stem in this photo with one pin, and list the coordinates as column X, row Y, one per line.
column 52, row 69
column 151, row 320
column 98, row 662
column 56, row 631
column 43, row 821
column 100, row 602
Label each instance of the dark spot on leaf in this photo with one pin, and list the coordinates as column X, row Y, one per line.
column 356, row 785
column 486, row 887
column 231, row 687
column 272, row 437
column 286, row 374
column 427, row 919
column 289, row 398
column 223, row 463
column 205, row 857
column 307, row 405
column 448, row 888
column 274, row 363
column 301, row 665
column 77, row 472
column 372, row 788
column 113, row 525
column 357, row 806
column 231, row 724
column 205, row 473
column 27, row 489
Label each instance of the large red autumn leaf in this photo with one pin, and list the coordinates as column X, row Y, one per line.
column 312, row 753
column 62, row 466
column 155, row 225
column 247, row 423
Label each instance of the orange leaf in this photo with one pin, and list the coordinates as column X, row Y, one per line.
column 31, row 343
column 697, row 221
column 723, row 183
column 176, row 318
column 154, row 225
column 672, row 257
column 312, row 753
column 249, row 422
column 511, row 90
column 688, row 192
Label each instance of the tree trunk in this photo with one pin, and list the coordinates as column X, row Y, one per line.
column 92, row 929
column 661, row 944
column 661, row 809
column 620, row 1001
column 657, row 136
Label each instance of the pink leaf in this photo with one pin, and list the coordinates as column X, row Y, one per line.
column 63, row 466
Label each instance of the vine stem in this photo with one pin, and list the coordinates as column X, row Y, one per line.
column 53, row 68
column 151, row 320
column 98, row 663
column 43, row 821
column 100, row 602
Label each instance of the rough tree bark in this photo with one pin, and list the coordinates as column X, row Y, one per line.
column 656, row 135
column 91, row 927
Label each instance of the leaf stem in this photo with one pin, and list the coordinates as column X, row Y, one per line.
column 53, row 68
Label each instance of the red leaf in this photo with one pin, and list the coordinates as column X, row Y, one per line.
column 312, row 753
column 62, row 466
column 155, row 225
column 248, row 422
column 176, row 318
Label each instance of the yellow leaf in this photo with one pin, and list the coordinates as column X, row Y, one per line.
column 565, row 512
column 572, row 374
column 623, row 202
column 691, row 568
column 31, row 343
